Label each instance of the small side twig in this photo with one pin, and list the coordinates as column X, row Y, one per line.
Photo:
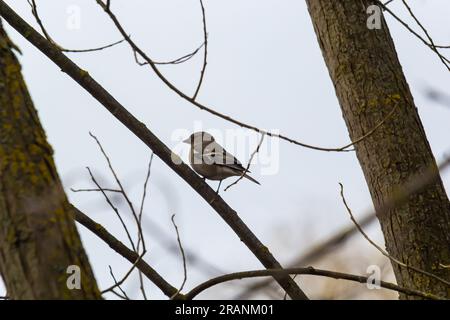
column 205, row 54
column 95, row 190
column 182, row 255
column 117, row 284
column 116, row 211
column 35, row 13
column 141, row 210
column 404, row 24
column 249, row 163
column 118, row 295
column 144, row 195
column 383, row 252
column 433, row 47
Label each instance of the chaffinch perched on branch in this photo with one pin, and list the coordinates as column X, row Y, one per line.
column 211, row 161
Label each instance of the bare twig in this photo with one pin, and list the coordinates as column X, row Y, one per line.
column 137, row 216
column 117, row 284
column 192, row 256
column 183, row 256
column 205, row 54
column 141, row 286
column 116, row 211
column 431, row 42
column 304, row 271
column 248, row 165
column 125, row 277
column 123, row 192
column 34, row 11
column 144, row 194
column 95, row 190
column 404, row 24
column 141, row 210
column 179, row 60
column 118, row 295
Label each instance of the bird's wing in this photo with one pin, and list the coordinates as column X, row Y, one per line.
column 219, row 156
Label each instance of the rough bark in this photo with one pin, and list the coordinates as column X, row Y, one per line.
column 38, row 237
column 369, row 81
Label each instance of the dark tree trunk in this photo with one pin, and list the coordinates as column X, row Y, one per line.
column 369, row 81
column 38, row 237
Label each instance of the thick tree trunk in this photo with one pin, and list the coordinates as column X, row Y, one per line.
column 369, row 81
column 38, row 237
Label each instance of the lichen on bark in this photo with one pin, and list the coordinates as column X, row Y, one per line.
column 38, row 237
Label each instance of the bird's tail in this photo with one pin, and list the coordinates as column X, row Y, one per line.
column 251, row 179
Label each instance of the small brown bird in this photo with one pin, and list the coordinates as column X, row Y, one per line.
column 210, row 160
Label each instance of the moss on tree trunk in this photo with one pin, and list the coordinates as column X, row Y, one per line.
column 38, row 237
column 368, row 79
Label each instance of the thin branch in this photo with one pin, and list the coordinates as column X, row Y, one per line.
column 205, row 54
column 144, row 195
column 125, row 277
column 34, row 11
column 137, row 216
column 95, row 190
column 159, row 148
column 192, row 256
column 383, row 252
column 117, row 284
column 431, row 42
column 404, row 24
column 125, row 252
column 138, row 51
column 111, row 168
column 248, row 165
column 141, row 285
column 118, row 295
column 304, row 271
column 141, row 210
column 183, row 256
column 179, row 60
column 116, row 211
column 123, row 192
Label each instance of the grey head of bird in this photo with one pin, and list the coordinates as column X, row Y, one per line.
column 199, row 139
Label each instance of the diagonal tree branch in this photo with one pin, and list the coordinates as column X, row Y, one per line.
column 127, row 253
column 157, row 146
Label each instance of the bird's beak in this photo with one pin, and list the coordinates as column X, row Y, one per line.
column 188, row 140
